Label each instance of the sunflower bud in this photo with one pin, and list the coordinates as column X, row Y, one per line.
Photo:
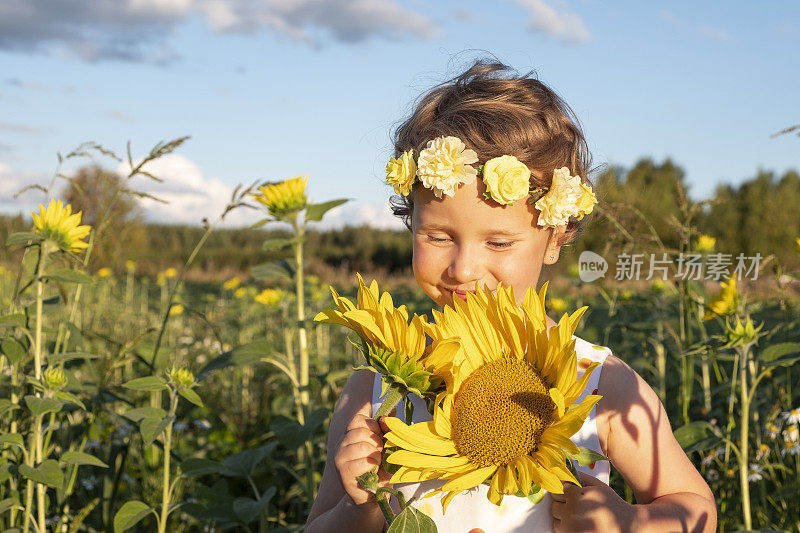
column 369, row 481
column 181, row 377
column 54, row 378
column 742, row 333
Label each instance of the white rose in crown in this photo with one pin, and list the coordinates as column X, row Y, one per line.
column 446, row 163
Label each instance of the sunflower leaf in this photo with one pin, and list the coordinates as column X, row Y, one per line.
column 585, row 456
column 536, row 494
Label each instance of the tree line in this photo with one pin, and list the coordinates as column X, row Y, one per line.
column 643, row 209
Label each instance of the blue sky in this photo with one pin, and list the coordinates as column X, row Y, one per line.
column 272, row 89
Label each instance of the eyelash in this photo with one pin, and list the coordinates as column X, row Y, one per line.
column 494, row 244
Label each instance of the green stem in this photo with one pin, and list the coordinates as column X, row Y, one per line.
column 37, row 371
column 743, row 437
column 165, row 492
column 299, row 231
column 393, row 396
column 383, row 503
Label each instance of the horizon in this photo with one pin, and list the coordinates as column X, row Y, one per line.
column 317, row 89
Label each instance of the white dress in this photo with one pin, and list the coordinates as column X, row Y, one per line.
column 472, row 510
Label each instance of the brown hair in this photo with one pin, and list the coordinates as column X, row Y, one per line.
column 496, row 112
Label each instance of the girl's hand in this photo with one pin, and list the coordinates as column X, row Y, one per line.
column 359, row 452
column 593, row 507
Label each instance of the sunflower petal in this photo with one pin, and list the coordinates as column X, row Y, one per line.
column 421, row 460
column 420, row 437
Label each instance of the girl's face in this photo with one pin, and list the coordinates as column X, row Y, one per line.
column 465, row 241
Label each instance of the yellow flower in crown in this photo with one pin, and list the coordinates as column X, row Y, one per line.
column 393, row 347
column 586, row 201
column 284, row 197
column 401, row 172
column 725, row 302
column 508, row 413
column 444, row 164
column 60, row 226
column 507, row 179
column 567, row 197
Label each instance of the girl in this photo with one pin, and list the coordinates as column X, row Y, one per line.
column 472, row 231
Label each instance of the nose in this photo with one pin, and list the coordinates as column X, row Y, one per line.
column 464, row 264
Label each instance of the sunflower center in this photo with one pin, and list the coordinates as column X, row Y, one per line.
column 500, row 412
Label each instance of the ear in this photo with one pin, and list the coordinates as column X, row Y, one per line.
column 554, row 243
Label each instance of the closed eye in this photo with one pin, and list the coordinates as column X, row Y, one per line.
column 500, row 244
column 432, row 238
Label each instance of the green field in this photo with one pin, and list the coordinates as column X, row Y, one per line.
column 161, row 394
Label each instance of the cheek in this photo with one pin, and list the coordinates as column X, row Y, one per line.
column 422, row 261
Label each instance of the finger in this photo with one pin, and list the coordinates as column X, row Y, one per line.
column 588, row 479
column 363, row 435
column 358, row 450
column 558, row 497
column 558, row 509
column 383, row 425
column 358, row 421
column 557, row 526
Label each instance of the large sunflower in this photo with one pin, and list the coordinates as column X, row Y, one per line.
column 507, row 416
column 393, row 347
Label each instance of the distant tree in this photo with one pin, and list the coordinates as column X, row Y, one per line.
column 635, row 204
column 96, row 192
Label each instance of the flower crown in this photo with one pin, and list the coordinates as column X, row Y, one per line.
column 445, row 163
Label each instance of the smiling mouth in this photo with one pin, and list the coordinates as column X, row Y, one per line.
column 459, row 294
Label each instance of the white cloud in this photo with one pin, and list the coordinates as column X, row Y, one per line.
column 702, row 30
column 137, row 30
column 562, row 24
column 190, row 195
column 12, row 182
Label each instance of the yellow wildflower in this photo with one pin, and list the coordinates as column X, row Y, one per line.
column 240, row 292
column 176, row 309
column 797, row 245
column 284, row 197
column 170, row 273
column 557, row 304
column 705, row 243
column 269, row 297
column 231, row 284
column 59, row 225
column 104, row 272
column 130, row 265
column 725, row 302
